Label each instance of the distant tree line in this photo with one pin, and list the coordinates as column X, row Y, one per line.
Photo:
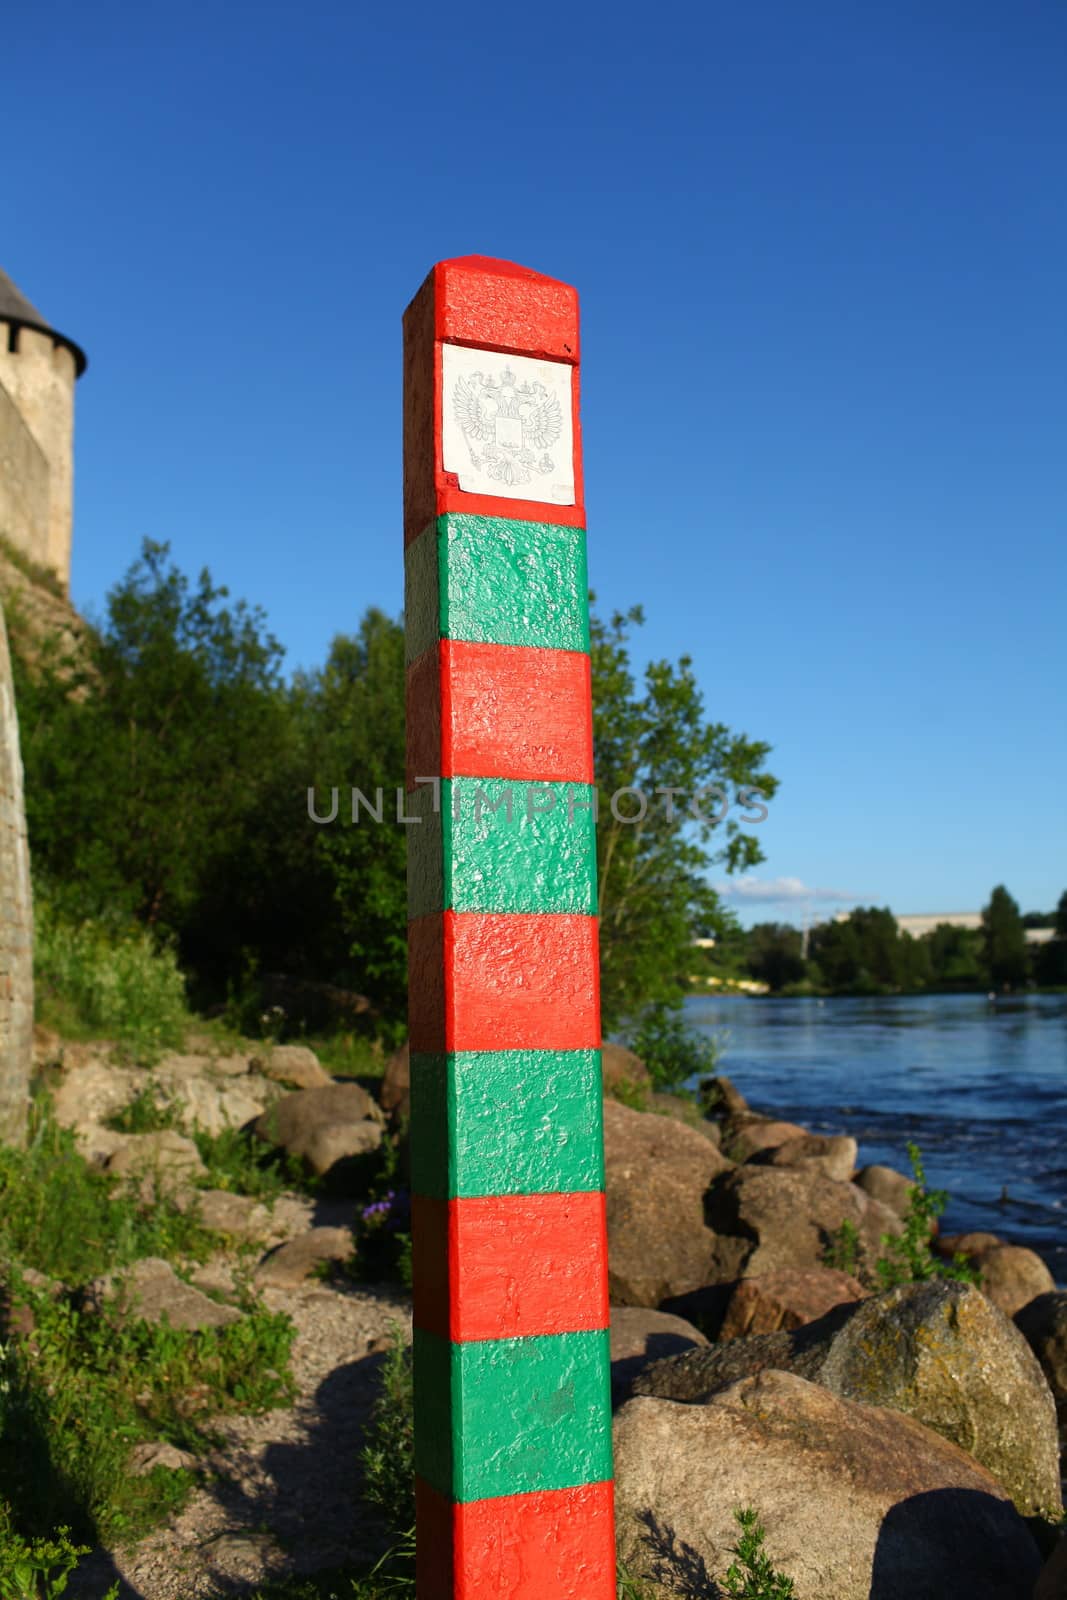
column 169, row 761
column 867, row 953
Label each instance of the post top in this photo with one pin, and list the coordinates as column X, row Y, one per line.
column 500, row 305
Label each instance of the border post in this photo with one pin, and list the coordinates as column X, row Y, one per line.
column 512, row 1393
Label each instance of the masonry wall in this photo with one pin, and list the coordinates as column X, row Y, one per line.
column 38, row 379
column 24, row 488
column 16, row 920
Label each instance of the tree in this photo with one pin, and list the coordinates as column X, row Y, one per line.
column 955, row 956
column 1004, row 953
column 775, row 954
column 653, row 852
column 353, row 712
column 146, row 765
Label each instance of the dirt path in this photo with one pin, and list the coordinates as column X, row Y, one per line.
column 284, row 1493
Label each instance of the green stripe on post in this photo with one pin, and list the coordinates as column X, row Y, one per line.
column 508, row 1416
column 496, row 581
column 498, row 844
column 506, row 1122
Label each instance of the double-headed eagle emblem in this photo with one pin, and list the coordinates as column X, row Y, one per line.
column 511, row 421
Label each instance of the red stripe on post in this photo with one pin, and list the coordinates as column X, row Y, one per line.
column 500, row 711
column 556, row 1544
column 517, row 1265
column 503, row 981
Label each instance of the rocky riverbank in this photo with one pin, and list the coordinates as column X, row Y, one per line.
column 896, row 1442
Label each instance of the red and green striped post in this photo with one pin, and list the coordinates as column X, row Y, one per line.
column 512, row 1394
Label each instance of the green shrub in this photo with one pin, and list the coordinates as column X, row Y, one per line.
column 910, row 1258
column 672, row 1051
column 114, row 980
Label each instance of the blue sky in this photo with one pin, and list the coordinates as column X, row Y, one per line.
column 821, row 253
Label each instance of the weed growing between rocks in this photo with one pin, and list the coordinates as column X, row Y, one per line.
column 751, row 1575
column 234, row 1161
column 909, row 1257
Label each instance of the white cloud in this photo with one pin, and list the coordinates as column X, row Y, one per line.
column 780, row 891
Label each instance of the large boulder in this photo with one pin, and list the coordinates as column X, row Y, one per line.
column 331, row 1129
column 858, row 1502
column 682, row 1109
column 1012, row 1276
column 769, row 1218
column 886, row 1184
column 940, row 1352
column 1043, row 1324
column 640, row 1336
column 657, row 1173
column 832, row 1154
column 789, row 1298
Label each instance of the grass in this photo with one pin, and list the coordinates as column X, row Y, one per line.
column 235, row 1161
column 78, row 1391
column 114, row 981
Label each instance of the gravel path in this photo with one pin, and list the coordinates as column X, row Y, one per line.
column 283, row 1496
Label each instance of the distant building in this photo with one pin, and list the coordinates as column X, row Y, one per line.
column 38, row 370
column 922, row 922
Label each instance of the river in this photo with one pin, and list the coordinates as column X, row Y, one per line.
column 980, row 1087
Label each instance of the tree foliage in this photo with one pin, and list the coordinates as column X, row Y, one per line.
column 1004, row 952
column 654, row 893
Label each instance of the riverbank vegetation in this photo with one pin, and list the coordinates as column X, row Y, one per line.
column 169, row 765
column 866, row 952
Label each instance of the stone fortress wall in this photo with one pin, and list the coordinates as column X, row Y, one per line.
column 37, row 377
column 16, row 920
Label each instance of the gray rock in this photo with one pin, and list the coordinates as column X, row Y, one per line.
column 745, row 1139
column 1012, row 1276
column 939, row 1352
column 769, row 1218
column 1043, row 1324
column 640, row 1336
column 237, row 1215
column 145, row 1457
column 888, row 1185
column 858, row 1502
column 324, row 1127
column 832, row 1154
column 657, row 1173
column 292, row 1064
column 620, row 1066
column 151, row 1290
column 291, row 1263
column 789, row 1298
column 156, row 1163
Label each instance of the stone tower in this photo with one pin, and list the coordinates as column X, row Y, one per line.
column 38, row 370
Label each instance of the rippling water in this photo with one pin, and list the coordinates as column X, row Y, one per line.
column 981, row 1087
